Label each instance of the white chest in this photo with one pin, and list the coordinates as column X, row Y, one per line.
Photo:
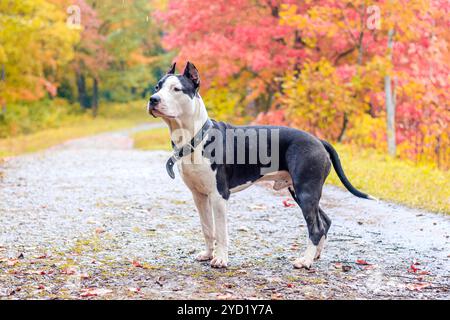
column 198, row 176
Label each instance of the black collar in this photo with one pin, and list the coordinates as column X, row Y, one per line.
column 187, row 149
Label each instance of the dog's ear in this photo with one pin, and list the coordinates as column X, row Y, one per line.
column 172, row 68
column 191, row 72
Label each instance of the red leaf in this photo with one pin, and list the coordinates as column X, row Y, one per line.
column 137, row 264
column 362, row 262
column 412, row 269
column 69, row 270
column 93, row 292
column 288, row 204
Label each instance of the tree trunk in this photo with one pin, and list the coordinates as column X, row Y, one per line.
column 390, row 103
column 95, row 98
column 83, row 98
column 3, row 80
column 344, row 127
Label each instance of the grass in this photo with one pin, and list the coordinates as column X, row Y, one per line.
column 423, row 187
column 155, row 139
column 111, row 117
column 400, row 181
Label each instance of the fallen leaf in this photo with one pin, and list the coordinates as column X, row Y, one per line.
column 20, row 256
column 370, row 267
column 134, row 290
column 243, row 229
column 93, row 292
column 160, row 281
column 290, row 285
column 41, row 287
column 12, row 292
column 99, row 230
column 69, row 270
column 85, row 276
column 418, row 286
column 258, row 207
column 362, row 262
column 288, row 204
column 413, row 269
column 42, row 256
column 137, row 264
column 276, row 296
column 346, row 268
column 39, row 272
column 12, row 262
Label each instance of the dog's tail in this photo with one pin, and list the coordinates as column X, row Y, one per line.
column 340, row 172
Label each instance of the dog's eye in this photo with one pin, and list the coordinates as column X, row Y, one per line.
column 156, row 88
column 176, row 89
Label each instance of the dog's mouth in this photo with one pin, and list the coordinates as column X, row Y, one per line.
column 155, row 113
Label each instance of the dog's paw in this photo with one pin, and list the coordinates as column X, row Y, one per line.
column 204, row 256
column 220, row 260
column 303, row 262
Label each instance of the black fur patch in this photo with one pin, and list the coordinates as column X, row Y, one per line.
column 188, row 86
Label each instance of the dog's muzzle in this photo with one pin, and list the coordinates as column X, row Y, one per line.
column 152, row 103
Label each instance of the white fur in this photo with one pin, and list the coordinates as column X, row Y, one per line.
column 174, row 104
column 312, row 252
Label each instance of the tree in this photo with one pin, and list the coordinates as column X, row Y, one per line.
column 132, row 41
column 234, row 40
column 275, row 55
column 34, row 43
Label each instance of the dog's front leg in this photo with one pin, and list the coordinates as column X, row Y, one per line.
column 219, row 206
column 206, row 218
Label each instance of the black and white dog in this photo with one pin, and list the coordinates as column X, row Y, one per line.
column 216, row 159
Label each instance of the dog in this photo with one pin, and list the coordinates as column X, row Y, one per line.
column 216, row 159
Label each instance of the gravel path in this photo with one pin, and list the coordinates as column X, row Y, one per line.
column 95, row 218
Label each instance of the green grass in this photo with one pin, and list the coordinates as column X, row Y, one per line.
column 383, row 177
column 111, row 117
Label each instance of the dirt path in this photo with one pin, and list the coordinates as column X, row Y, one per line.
column 95, row 213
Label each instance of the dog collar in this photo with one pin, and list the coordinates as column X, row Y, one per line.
column 187, row 149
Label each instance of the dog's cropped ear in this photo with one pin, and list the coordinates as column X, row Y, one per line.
column 191, row 72
column 172, row 68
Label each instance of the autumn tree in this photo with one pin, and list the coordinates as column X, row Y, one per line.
column 34, row 42
column 324, row 64
column 234, row 41
column 132, row 41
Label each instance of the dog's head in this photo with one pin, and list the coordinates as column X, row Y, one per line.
column 174, row 94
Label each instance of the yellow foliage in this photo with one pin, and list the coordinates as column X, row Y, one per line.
column 419, row 186
column 316, row 99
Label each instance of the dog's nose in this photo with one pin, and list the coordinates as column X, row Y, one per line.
column 154, row 100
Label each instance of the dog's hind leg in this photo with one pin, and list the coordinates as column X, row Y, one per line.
column 219, row 206
column 206, row 217
column 307, row 196
column 325, row 219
